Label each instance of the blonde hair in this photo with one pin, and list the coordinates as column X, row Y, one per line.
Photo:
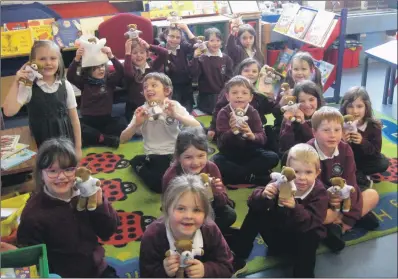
column 326, row 113
column 183, row 184
column 54, row 46
column 305, row 153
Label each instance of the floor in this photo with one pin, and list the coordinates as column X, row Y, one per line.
column 374, row 258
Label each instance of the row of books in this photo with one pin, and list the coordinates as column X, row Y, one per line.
column 310, row 26
column 13, row 152
column 20, row 272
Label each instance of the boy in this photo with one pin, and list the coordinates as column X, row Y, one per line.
column 337, row 160
column 159, row 134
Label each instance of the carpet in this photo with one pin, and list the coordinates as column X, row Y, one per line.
column 138, row 207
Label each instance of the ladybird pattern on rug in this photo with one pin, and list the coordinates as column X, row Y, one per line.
column 105, row 162
column 131, row 227
column 116, row 189
column 390, row 175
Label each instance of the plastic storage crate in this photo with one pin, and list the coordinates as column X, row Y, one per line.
column 11, row 223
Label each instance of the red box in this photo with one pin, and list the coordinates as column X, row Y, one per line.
column 316, row 52
column 351, row 57
column 272, row 56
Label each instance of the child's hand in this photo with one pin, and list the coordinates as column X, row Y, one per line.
column 108, row 52
column 196, row 270
column 79, row 54
column 182, row 26
column 171, row 265
column 356, row 138
column 290, row 202
column 143, row 43
column 99, row 197
column 197, row 53
column 210, row 135
column 170, row 108
column 334, row 200
column 347, row 137
column 232, row 120
column 346, row 227
column 217, row 183
column 22, row 73
column 140, row 115
column 4, row 246
column 245, row 129
column 270, row 191
column 128, row 46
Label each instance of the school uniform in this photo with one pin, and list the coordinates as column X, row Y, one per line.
column 48, row 109
column 156, row 241
column 238, row 53
column 134, row 77
column 96, row 105
column 212, row 71
column 159, row 138
column 296, row 231
column 225, row 215
column 240, row 158
column 71, row 236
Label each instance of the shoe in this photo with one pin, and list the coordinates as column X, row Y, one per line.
column 239, row 265
column 368, row 222
column 111, row 141
column 363, row 181
column 334, row 238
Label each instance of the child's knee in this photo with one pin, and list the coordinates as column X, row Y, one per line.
column 370, row 198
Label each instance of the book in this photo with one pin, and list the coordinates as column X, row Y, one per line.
column 16, row 42
column 281, row 64
column 66, row 31
column 286, row 18
column 7, row 153
column 17, row 158
column 20, row 272
column 329, row 33
column 325, row 68
column 9, row 26
column 41, row 28
column 319, row 28
column 9, row 142
column 301, row 23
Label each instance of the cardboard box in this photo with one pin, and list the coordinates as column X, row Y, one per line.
column 266, row 29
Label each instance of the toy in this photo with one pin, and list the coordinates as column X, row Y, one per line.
column 174, row 19
column 92, row 40
column 132, row 32
column 341, row 189
column 285, row 87
column 93, row 55
column 201, row 44
column 155, row 111
column 207, row 180
column 269, row 74
column 184, row 248
column 291, row 109
column 285, row 183
column 88, row 187
column 350, row 125
column 236, row 21
column 34, row 73
column 241, row 119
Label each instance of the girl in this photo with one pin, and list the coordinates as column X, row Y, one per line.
column 191, row 158
column 50, row 101
column 366, row 142
column 309, row 96
column 50, row 217
column 187, row 215
column 213, row 69
column 241, row 44
column 97, row 86
column 135, row 69
column 176, row 66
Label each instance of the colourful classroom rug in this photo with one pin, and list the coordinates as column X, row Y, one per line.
column 138, row 207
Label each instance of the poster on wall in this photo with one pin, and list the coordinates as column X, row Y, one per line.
column 66, row 31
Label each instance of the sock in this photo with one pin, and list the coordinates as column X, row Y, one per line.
column 101, row 138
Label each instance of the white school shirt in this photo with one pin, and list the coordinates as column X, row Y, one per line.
column 25, row 93
column 160, row 135
column 322, row 155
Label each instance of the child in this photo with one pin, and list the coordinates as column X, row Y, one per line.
column 213, row 69
column 309, row 96
column 337, row 160
column 295, row 229
column 159, row 135
column 191, row 158
column 97, row 86
column 241, row 158
column 241, row 44
column 366, row 143
column 187, row 215
column 177, row 63
column 135, row 69
column 51, row 217
column 50, row 101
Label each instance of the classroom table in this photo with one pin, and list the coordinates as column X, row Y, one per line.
column 387, row 54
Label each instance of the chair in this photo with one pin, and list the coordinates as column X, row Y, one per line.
column 114, row 28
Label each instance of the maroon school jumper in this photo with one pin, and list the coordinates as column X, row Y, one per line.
column 370, row 146
column 238, row 53
column 294, row 133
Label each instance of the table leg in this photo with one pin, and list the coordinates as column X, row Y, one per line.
column 386, row 82
column 392, row 85
column 365, row 71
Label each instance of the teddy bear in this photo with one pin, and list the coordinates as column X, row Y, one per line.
column 207, row 181
column 350, row 125
column 93, row 55
column 285, row 89
column 201, row 44
column 88, row 187
column 34, row 73
column 174, row 19
column 155, row 111
column 184, row 248
column 132, row 32
column 291, row 108
column 265, row 85
column 235, row 22
column 241, row 119
column 341, row 189
column 92, row 40
column 285, row 183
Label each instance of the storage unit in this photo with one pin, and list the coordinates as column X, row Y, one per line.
column 11, row 223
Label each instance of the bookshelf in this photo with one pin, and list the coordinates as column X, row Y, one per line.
column 337, row 30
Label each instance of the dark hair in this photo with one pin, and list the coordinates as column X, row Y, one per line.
column 88, row 71
column 50, row 151
column 359, row 92
column 305, row 56
column 50, row 44
column 247, row 27
column 190, row 136
column 309, row 87
column 246, row 63
column 163, row 36
column 239, row 80
column 212, row 30
column 163, row 78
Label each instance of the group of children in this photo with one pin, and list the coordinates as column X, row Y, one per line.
column 176, row 159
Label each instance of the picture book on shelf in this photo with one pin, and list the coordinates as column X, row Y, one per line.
column 286, row 18
column 7, row 153
column 66, row 31
column 9, row 26
column 16, row 42
column 20, row 272
column 9, row 142
column 17, row 158
column 301, row 23
column 41, row 28
column 283, row 60
column 325, row 68
column 319, row 28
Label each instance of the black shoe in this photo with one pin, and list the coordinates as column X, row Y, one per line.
column 368, row 222
column 239, row 265
column 111, row 141
column 334, row 238
column 363, row 181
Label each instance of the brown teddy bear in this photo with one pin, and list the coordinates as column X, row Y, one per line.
column 92, row 40
column 341, row 189
column 291, row 109
column 207, row 181
column 35, row 68
column 285, row 87
column 265, row 85
column 88, row 187
column 350, row 125
column 201, row 44
column 235, row 22
column 285, row 183
column 132, row 32
column 155, row 111
column 241, row 119
column 174, row 19
column 184, row 248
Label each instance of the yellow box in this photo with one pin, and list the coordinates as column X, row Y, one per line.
column 11, row 223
